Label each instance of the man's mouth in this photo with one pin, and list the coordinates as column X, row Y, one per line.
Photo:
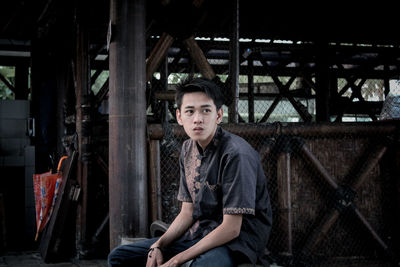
column 197, row 129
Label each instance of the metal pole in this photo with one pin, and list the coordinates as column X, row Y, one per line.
column 250, row 89
column 323, row 83
column 233, row 115
column 127, row 122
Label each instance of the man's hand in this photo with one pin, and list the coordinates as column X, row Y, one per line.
column 177, row 228
column 155, row 257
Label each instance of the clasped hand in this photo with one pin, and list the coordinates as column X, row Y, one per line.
column 155, row 258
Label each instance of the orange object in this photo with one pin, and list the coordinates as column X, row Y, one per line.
column 46, row 186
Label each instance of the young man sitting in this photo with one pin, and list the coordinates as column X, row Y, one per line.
column 225, row 216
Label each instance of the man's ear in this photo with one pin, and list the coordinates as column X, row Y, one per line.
column 220, row 114
column 178, row 116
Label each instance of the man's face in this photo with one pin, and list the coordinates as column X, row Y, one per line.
column 199, row 117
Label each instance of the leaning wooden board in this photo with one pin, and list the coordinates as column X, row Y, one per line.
column 57, row 239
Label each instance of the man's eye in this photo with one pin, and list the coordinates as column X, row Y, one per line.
column 189, row 111
column 207, row 110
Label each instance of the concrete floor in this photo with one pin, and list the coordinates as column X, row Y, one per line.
column 33, row 259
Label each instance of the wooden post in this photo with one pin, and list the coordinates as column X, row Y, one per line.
column 284, row 201
column 63, row 86
column 82, row 107
column 43, row 95
column 127, row 122
column 155, row 180
column 233, row 113
column 197, row 55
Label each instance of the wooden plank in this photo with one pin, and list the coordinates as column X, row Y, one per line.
column 157, row 54
column 199, row 58
column 52, row 245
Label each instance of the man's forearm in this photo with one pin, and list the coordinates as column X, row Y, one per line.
column 225, row 232
column 177, row 228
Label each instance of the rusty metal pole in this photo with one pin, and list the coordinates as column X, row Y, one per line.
column 233, row 113
column 83, row 123
column 127, row 122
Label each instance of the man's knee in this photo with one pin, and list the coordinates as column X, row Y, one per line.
column 125, row 254
column 220, row 256
column 119, row 255
column 113, row 259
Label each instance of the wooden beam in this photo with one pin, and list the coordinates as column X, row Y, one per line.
column 157, row 54
column 155, row 180
column 156, row 131
column 284, row 92
column 271, row 109
column 198, row 57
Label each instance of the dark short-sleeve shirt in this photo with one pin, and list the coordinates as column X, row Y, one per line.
column 226, row 178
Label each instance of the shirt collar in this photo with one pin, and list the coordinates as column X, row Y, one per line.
column 213, row 144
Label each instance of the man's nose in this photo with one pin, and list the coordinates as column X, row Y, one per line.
column 198, row 117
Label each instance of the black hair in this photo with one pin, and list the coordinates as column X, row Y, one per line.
column 191, row 85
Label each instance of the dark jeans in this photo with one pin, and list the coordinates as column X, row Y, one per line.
column 135, row 254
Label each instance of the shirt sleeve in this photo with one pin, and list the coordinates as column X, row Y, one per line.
column 239, row 184
column 183, row 192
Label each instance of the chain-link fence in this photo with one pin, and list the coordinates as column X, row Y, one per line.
column 333, row 190
column 333, row 186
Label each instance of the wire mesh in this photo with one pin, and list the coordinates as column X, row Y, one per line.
column 315, row 222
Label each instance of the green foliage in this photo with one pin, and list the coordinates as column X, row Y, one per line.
column 99, row 81
column 9, row 74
